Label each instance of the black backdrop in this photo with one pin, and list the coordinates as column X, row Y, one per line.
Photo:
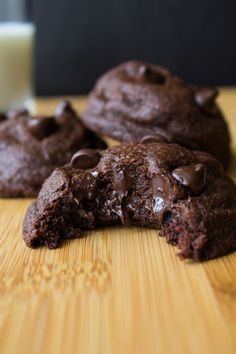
column 77, row 40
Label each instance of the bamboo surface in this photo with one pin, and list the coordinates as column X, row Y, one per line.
column 114, row 291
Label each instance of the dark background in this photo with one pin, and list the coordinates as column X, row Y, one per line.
column 77, row 40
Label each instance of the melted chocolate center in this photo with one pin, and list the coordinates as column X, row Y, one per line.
column 162, row 192
column 121, row 185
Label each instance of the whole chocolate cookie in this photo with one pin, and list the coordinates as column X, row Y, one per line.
column 157, row 185
column 32, row 147
column 136, row 99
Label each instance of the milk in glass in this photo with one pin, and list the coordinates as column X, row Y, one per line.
column 16, row 56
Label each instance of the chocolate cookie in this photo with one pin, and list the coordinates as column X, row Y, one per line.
column 136, row 99
column 157, row 185
column 32, row 147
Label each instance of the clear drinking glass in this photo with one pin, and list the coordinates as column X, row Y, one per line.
column 16, row 54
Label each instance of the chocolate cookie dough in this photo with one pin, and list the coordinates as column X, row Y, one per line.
column 151, row 184
column 32, row 147
column 136, row 99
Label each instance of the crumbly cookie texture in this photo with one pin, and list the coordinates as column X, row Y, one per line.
column 32, row 147
column 153, row 184
column 136, row 99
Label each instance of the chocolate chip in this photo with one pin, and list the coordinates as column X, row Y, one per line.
column 41, row 127
column 63, row 112
column 150, row 75
column 18, row 113
column 121, row 185
column 2, row 116
column 85, row 159
column 193, row 176
column 64, row 106
column 205, row 98
column 153, row 139
column 128, row 211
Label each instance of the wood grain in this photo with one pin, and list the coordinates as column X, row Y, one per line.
column 114, row 291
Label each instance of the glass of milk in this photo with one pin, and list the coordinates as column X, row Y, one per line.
column 16, row 55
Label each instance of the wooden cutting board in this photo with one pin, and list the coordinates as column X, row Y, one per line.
column 114, row 291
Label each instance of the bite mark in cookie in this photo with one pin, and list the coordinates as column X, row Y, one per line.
column 164, row 186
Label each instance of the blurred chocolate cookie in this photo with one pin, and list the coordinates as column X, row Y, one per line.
column 150, row 184
column 32, row 147
column 136, row 99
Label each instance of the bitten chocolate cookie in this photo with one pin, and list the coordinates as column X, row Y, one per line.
column 32, row 147
column 136, row 99
column 157, row 185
